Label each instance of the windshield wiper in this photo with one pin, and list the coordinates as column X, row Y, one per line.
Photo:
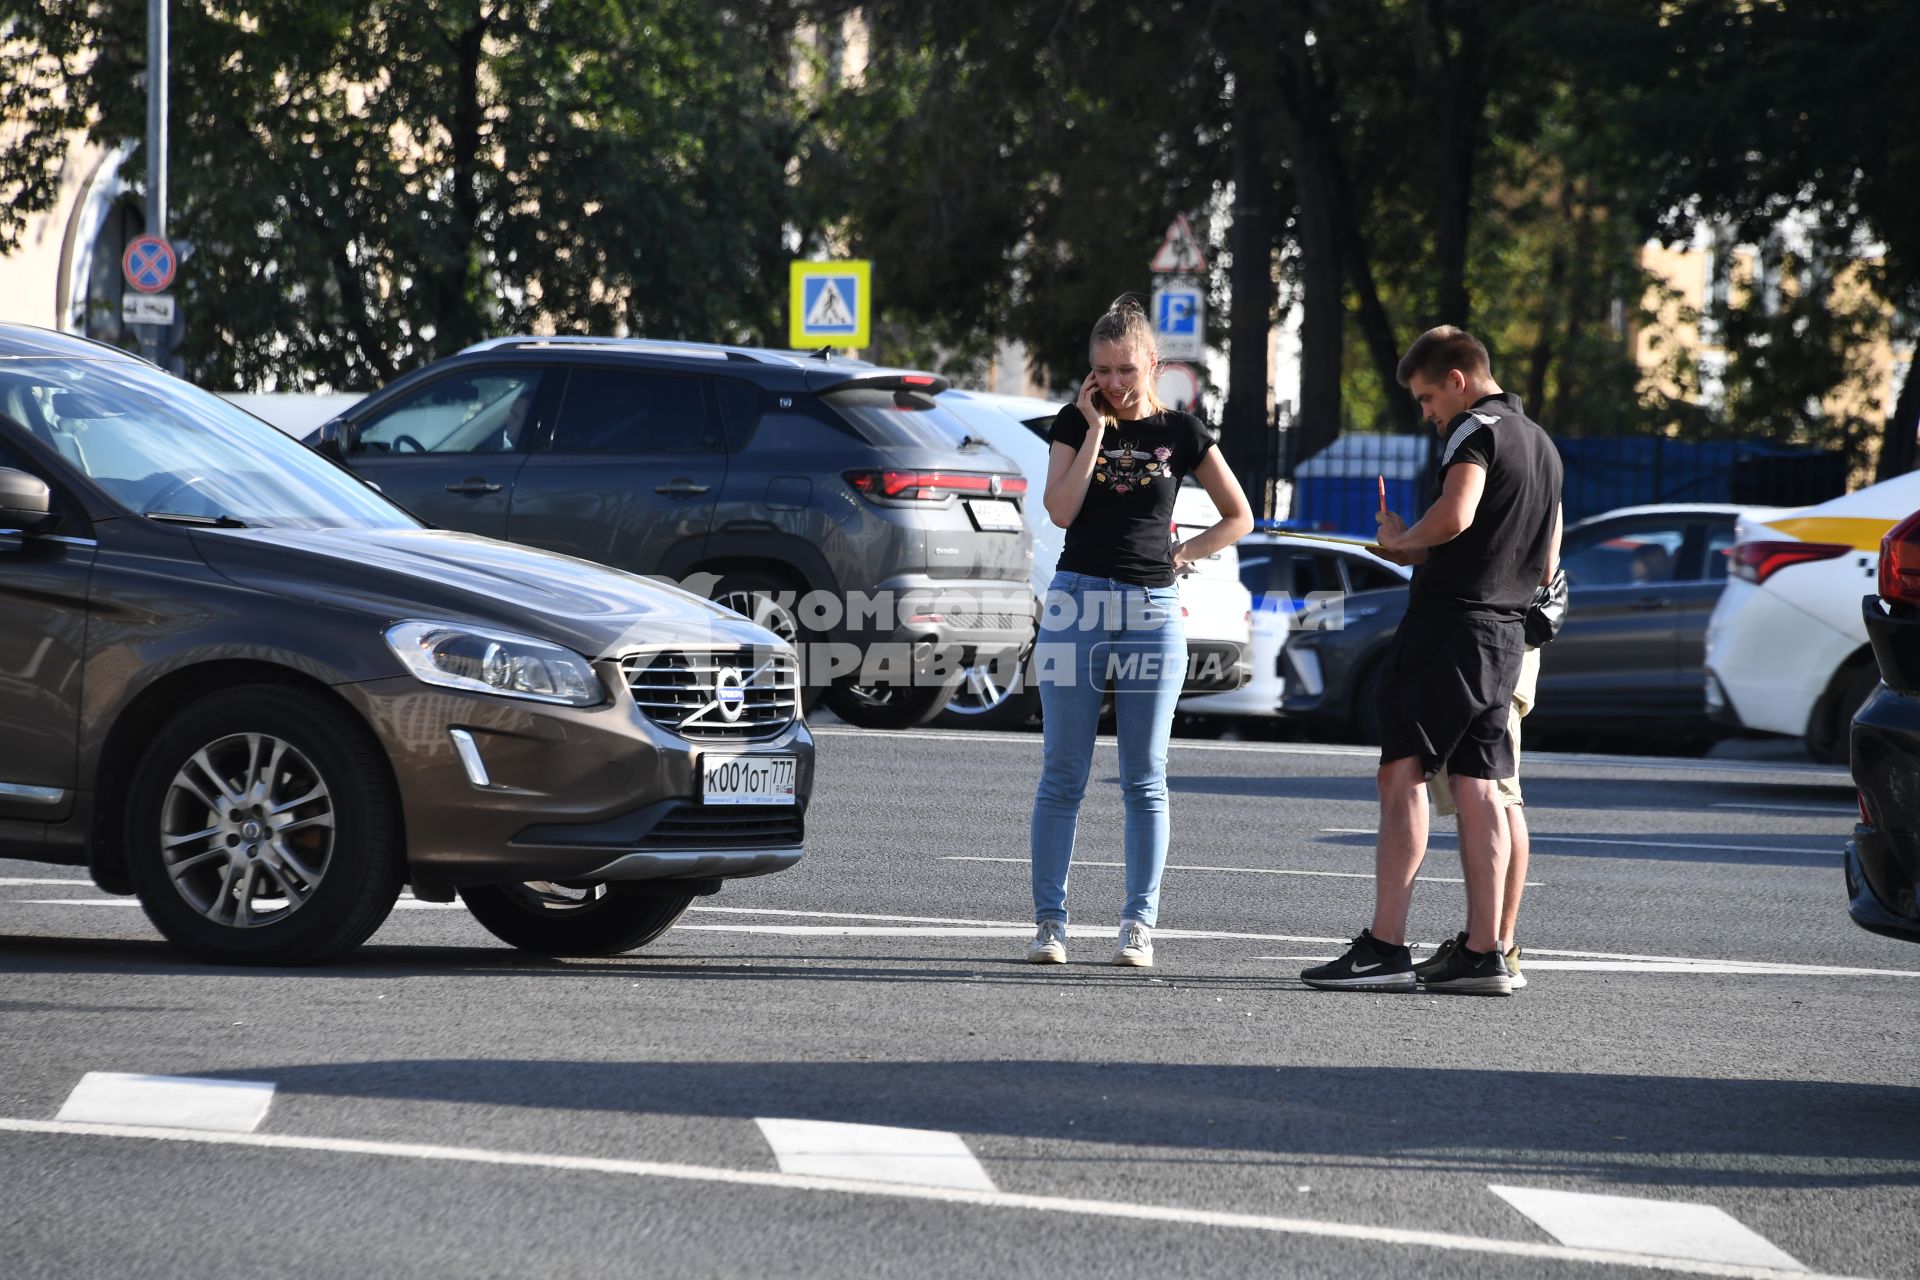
column 970, row 442
column 202, row 522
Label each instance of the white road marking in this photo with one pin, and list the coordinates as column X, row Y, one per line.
column 874, row 1153
column 175, row 1102
column 1109, row 1209
column 1669, row 1229
column 1825, row 811
column 1652, row 764
column 33, row 880
column 1735, row 968
column 896, row 926
column 1252, row 871
column 1539, row 836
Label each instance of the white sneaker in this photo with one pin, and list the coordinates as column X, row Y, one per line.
column 1049, row 945
column 1136, row 945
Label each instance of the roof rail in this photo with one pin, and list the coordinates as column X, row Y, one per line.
column 654, row 346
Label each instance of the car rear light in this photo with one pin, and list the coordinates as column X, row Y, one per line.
column 1900, row 562
column 1866, row 819
column 934, row 486
column 915, row 380
column 1758, row 561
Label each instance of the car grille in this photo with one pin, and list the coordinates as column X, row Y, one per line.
column 692, row 827
column 970, row 620
column 738, row 695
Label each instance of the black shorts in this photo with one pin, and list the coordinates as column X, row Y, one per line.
column 1445, row 686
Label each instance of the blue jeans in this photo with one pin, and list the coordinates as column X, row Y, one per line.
column 1096, row 630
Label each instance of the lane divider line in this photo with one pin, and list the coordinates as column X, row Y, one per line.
column 1254, row 871
column 1542, row 836
column 1108, row 1209
column 176, row 1102
column 874, row 1153
column 1667, row 1228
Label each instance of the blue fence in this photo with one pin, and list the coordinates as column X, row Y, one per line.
column 1337, row 490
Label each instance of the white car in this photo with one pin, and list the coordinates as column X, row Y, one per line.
column 1285, row 572
column 1218, row 607
column 1787, row 646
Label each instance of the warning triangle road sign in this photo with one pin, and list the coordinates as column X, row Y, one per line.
column 1180, row 251
column 830, row 309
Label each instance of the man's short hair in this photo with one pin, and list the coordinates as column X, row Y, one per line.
column 1438, row 350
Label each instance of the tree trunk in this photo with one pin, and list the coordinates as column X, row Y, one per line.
column 1246, row 427
column 1540, row 359
column 1898, row 448
column 1462, row 98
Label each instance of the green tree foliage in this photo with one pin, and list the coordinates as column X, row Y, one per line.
column 364, row 187
column 1747, row 113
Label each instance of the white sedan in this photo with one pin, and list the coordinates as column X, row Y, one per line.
column 1787, row 645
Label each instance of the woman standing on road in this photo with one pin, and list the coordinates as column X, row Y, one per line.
column 1113, row 616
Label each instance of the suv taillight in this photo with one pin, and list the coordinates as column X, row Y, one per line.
column 934, row 486
column 1758, row 561
column 1900, row 562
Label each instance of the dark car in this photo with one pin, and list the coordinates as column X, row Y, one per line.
column 833, row 501
column 1641, row 581
column 1883, row 858
column 238, row 682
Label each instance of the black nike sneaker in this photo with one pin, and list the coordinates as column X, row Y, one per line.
column 1369, row 965
column 1470, row 973
column 1422, row 968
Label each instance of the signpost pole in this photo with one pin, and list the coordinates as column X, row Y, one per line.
column 154, row 337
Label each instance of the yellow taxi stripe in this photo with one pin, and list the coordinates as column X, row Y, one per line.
column 1862, row 533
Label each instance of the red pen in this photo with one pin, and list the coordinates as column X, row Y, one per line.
column 1383, row 494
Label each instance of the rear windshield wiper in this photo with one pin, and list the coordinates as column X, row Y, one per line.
column 970, row 442
column 202, row 522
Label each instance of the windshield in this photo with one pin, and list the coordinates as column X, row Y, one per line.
column 162, row 447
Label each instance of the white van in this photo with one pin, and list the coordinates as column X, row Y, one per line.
column 1787, row 646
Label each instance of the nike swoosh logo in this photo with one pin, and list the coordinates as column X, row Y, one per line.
column 1366, row 968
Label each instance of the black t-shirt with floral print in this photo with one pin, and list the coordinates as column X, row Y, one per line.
column 1123, row 530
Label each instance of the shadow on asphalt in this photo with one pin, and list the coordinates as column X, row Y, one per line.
column 1759, row 1133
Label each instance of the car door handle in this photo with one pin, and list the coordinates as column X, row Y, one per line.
column 475, row 485
column 1651, row 602
column 683, row 489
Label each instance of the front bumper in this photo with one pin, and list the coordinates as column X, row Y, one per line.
column 1217, row 666
column 598, row 793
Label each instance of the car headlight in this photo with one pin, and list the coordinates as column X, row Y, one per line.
column 481, row 661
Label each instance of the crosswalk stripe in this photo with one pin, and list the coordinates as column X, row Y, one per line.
column 874, row 1153
column 178, row 1102
column 1666, row 1228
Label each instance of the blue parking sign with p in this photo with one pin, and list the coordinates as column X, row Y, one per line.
column 1178, row 314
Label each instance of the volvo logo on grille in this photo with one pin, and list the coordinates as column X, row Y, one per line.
column 730, row 692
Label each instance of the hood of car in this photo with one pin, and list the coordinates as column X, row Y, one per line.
column 430, row 574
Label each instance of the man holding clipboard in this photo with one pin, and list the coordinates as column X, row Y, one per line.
column 1481, row 551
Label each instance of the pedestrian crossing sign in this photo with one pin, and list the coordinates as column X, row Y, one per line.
column 830, row 304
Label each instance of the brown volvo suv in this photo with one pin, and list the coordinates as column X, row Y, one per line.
column 238, row 682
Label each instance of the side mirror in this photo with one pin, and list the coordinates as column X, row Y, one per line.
column 333, row 440
column 25, row 503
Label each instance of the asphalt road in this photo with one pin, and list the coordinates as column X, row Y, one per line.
column 1703, row 1027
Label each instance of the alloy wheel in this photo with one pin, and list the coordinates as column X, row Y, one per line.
column 246, row 830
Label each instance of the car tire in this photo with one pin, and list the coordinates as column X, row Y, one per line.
column 889, row 706
column 552, row 919
column 263, row 828
column 756, row 597
column 981, row 703
column 1836, row 745
column 1364, row 723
